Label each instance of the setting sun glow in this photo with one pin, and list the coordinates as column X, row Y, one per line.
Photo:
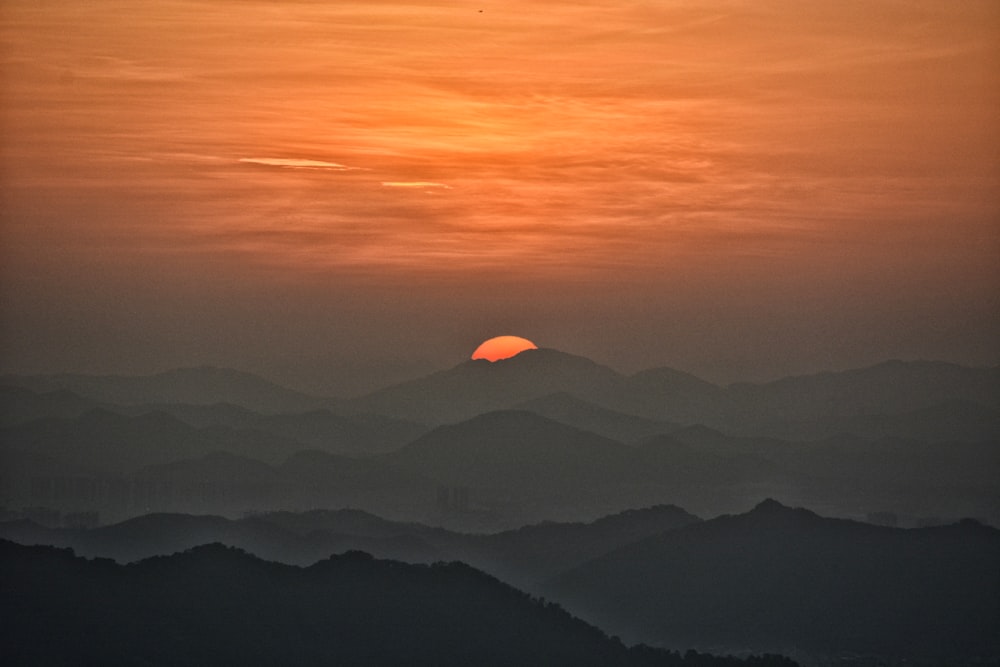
column 502, row 347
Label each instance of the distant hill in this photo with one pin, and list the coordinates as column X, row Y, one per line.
column 889, row 388
column 523, row 556
column 479, row 386
column 785, row 577
column 358, row 433
column 528, row 555
column 106, row 439
column 566, row 408
column 217, row 605
column 204, row 385
column 520, row 459
column 513, row 449
column 317, row 429
column 114, row 443
column 895, row 398
column 953, row 420
column 18, row 405
column 669, row 394
column 264, row 536
column 230, row 484
column 510, row 467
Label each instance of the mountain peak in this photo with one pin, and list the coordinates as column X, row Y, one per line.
column 770, row 510
column 769, row 506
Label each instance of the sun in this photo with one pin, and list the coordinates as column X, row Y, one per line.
column 502, row 347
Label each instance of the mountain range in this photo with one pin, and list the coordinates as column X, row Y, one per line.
column 542, row 435
column 789, row 580
column 804, row 406
column 773, row 579
column 218, row 605
column 524, row 556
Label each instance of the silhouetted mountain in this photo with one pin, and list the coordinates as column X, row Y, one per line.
column 669, row 394
column 892, row 387
column 114, row 443
column 954, row 420
column 705, row 439
column 479, row 386
column 318, row 479
column 520, row 458
column 511, row 449
column 316, row 429
column 18, row 405
column 229, row 484
column 265, row 536
column 321, row 429
column 528, row 555
column 217, row 605
column 568, row 409
column 105, row 440
column 199, row 416
column 682, row 461
column 357, row 523
column 787, row 577
column 804, row 406
column 524, row 556
column 19, row 471
column 922, row 478
column 204, row 385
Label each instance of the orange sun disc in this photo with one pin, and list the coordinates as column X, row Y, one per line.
column 503, row 347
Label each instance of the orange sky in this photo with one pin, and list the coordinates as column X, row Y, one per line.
column 626, row 180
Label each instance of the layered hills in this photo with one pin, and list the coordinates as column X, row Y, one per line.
column 542, row 435
column 524, row 556
column 217, row 605
column 773, row 579
column 782, row 577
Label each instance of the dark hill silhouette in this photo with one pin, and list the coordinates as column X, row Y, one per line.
column 670, row 394
column 318, row 479
column 800, row 406
column 322, row 429
column 317, row 429
column 217, row 605
column 511, row 449
column 518, row 468
column 705, row 439
column 232, row 484
column 528, row 555
column 714, row 479
column 566, row 408
column 479, row 386
column 105, row 440
column 953, row 420
column 785, row 577
column 682, row 460
column 264, row 536
column 18, row 405
column 892, row 387
column 803, row 406
column 523, row 557
column 197, row 415
column 203, row 385
column 547, row 468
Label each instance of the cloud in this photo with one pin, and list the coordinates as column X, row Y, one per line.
column 415, row 184
column 297, row 163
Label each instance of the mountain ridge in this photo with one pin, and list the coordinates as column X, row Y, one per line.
column 778, row 575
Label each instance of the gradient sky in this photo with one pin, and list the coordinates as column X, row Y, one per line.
column 340, row 194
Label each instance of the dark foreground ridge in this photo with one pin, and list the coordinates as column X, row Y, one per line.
column 785, row 579
column 218, row 605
